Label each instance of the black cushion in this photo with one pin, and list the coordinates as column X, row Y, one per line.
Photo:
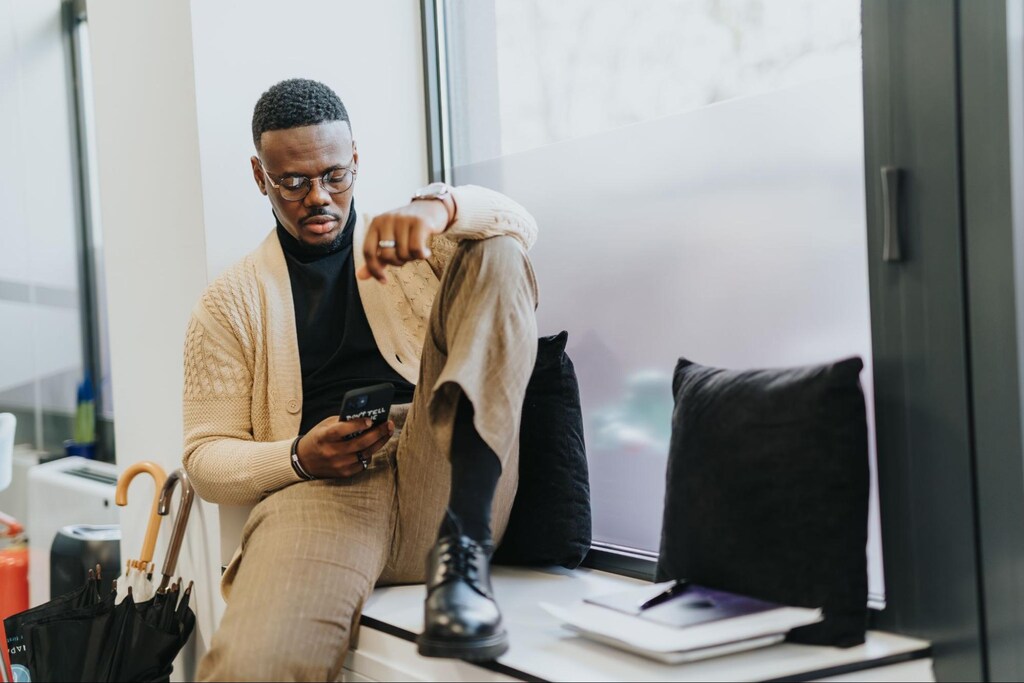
column 550, row 518
column 767, row 490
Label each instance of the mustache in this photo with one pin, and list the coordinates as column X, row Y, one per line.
column 316, row 213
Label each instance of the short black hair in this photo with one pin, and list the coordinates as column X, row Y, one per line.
column 293, row 103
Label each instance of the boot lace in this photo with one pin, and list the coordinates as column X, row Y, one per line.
column 460, row 560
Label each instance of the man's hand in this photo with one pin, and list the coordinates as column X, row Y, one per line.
column 410, row 228
column 326, row 453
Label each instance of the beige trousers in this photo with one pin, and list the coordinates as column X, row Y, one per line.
column 312, row 552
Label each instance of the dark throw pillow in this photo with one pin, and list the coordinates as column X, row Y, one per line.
column 550, row 518
column 767, row 490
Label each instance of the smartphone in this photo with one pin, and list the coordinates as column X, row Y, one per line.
column 369, row 402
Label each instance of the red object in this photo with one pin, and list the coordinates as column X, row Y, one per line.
column 13, row 569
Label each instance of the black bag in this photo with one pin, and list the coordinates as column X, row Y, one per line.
column 550, row 522
column 767, row 490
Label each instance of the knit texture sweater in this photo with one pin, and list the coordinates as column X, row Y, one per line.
column 242, row 402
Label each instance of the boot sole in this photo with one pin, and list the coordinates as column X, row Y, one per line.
column 478, row 650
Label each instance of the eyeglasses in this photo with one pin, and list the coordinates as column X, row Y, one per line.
column 294, row 188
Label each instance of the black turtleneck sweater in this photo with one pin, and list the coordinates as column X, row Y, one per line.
column 337, row 351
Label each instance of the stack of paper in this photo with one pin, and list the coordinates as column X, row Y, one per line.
column 695, row 624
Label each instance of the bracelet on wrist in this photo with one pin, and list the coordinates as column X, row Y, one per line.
column 296, row 464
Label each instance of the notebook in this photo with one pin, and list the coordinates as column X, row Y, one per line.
column 691, row 606
column 696, row 624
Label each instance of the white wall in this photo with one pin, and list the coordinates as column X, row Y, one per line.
column 154, row 248
column 367, row 51
column 174, row 88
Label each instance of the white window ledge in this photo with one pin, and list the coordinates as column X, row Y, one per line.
column 541, row 649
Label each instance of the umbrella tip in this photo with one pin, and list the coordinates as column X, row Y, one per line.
column 189, row 589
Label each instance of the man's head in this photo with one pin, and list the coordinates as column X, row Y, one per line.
column 306, row 160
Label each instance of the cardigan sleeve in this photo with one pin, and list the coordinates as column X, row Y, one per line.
column 481, row 214
column 223, row 460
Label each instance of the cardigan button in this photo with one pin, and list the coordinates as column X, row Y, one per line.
column 293, row 406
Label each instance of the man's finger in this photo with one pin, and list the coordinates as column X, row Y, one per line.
column 382, row 256
column 418, row 241
column 376, row 446
column 370, row 249
column 365, row 440
column 365, row 455
column 339, row 430
column 401, row 250
column 388, row 256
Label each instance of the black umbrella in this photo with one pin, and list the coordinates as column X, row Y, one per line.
column 108, row 642
column 157, row 640
column 14, row 625
column 83, row 636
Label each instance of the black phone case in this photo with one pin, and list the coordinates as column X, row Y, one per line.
column 377, row 405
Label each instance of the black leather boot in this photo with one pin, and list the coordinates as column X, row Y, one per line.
column 460, row 618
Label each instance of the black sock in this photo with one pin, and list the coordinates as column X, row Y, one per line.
column 475, row 472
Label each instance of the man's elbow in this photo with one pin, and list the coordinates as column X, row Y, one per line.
column 197, row 476
column 206, row 481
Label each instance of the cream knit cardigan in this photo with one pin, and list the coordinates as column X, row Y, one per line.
column 243, row 381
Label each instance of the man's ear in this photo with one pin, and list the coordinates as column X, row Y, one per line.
column 257, row 174
column 355, row 157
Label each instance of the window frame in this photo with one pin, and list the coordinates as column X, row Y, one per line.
column 74, row 19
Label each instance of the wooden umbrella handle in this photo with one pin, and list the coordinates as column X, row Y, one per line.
column 121, row 498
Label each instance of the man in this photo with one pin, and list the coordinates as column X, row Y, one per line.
column 436, row 298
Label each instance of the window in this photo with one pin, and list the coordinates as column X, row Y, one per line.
column 48, row 304
column 697, row 170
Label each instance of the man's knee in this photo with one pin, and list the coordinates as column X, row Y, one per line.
column 271, row 652
column 495, row 262
column 293, row 605
column 503, row 251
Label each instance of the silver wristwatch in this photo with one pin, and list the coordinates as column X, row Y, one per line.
column 440, row 191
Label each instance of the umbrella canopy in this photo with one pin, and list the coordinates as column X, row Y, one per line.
column 15, row 625
column 111, row 642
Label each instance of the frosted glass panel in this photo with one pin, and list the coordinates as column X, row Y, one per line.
column 40, row 318
column 576, row 67
column 731, row 232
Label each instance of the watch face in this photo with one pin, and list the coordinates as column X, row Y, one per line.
column 432, row 191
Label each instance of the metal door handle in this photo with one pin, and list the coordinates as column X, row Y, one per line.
column 891, row 252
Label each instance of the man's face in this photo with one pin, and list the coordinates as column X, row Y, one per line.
column 310, row 151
